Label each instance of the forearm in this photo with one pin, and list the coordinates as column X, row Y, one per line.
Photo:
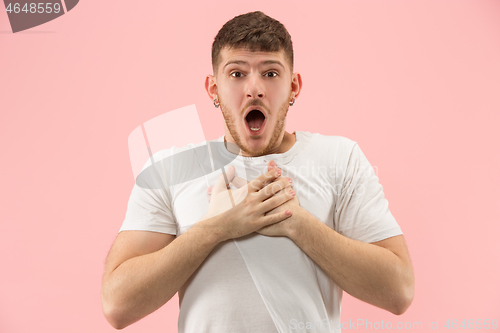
column 366, row 271
column 143, row 284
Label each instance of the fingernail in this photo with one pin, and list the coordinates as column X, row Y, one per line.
column 289, row 179
column 288, row 212
column 278, row 172
column 292, row 192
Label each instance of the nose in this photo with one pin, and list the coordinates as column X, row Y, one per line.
column 254, row 87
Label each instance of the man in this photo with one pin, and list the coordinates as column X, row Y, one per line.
column 274, row 252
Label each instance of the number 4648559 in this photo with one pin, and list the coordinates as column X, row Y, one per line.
column 34, row 8
column 472, row 324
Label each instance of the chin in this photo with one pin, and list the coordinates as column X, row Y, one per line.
column 251, row 146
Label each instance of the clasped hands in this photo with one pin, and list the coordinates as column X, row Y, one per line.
column 268, row 202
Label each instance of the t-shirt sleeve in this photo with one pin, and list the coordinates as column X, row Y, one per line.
column 362, row 211
column 149, row 207
column 150, row 210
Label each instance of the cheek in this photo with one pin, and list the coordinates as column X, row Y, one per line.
column 229, row 95
column 280, row 92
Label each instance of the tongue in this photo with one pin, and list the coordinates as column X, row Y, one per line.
column 255, row 119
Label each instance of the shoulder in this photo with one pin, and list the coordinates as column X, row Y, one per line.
column 166, row 153
column 330, row 143
column 171, row 166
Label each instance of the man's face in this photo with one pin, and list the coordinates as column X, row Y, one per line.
column 254, row 90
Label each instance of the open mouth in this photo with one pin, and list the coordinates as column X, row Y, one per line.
column 255, row 120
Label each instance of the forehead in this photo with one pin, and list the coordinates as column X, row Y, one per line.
column 251, row 58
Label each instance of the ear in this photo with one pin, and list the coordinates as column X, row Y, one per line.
column 296, row 84
column 211, row 87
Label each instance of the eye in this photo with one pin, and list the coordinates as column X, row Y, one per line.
column 235, row 73
column 276, row 74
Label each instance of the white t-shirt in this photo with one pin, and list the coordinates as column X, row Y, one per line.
column 258, row 283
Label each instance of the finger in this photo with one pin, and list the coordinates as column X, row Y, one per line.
column 224, row 179
column 277, row 200
column 239, row 182
column 276, row 217
column 272, row 188
column 259, row 182
column 271, row 165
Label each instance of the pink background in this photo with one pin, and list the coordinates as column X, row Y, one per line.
column 415, row 83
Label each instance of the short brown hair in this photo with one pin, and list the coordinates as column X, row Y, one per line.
column 253, row 31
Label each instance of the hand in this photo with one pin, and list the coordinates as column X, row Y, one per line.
column 225, row 198
column 282, row 228
column 245, row 208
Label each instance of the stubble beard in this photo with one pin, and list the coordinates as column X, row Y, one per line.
column 278, row 127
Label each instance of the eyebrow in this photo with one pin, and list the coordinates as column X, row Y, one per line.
column 241, row 62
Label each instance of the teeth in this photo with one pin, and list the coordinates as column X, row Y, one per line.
column 254, row 129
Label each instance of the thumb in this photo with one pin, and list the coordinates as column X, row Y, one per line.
column 221, row 184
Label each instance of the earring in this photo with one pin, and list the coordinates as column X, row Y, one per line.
column 216, row 105
column 292, row 103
